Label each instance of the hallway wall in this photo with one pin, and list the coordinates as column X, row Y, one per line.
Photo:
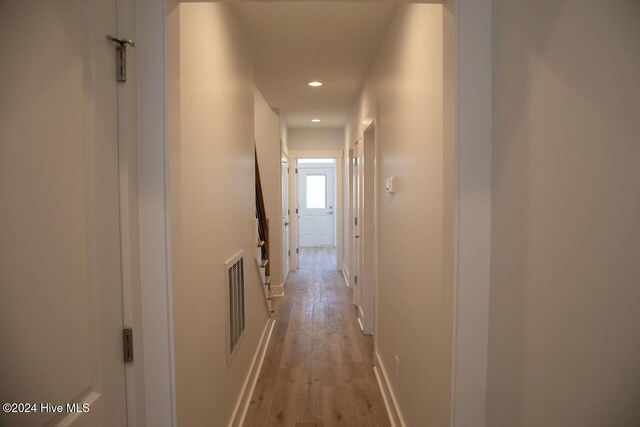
column 267, row 137
column 212, row 209
column 564, row 341
column 316, row 138
column 284, row 137
column 405, row 88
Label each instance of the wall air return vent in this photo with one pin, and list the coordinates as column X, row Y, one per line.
column 235, row 303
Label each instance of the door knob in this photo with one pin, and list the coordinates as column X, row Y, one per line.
column 329, row 213
column 356, row 236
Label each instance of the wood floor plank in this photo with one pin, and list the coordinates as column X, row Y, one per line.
column 318, row 369
column 284, row 406
column 260, row 405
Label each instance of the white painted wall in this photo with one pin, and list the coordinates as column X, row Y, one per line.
column 212, row 207
column 284, row 136
column 565, row 289
column 267, row 137
column 414, row 302
column 315, row 138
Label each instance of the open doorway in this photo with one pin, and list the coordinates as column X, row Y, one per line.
column 155, row 130
column 316, row 206
column 315, row 183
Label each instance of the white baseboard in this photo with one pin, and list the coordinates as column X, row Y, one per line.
column 345, row 274
column 389, row 398
column 242, row 405
column 278, row 290
column 360, row 323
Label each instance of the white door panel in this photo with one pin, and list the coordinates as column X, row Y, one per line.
column 316, row 203
column 308, row 227
column 60, row 279
column 323, row 227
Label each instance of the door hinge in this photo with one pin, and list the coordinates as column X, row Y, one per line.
column 297, row 251
column 355, row 278
column 287, row 169
column 288, row 212
column 356, row 221
column 289, row 253
column 296, row 210
column 296, row 170
column 121, row 56
column 127, row 344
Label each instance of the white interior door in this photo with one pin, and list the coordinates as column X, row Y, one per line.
column 316, row 203
column 285, row 217
column 60, row 275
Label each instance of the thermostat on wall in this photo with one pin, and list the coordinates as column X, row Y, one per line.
column 391, row 184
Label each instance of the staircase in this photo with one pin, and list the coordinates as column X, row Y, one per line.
column 262, row 240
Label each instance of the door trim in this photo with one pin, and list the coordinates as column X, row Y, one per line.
column 158, row 27
column 369, row 236
column 468, row 156
column 126, row 24
column 294, row 155
column 278, row 289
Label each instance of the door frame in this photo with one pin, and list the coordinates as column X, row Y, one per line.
column 285, row 241
column 368, row 235
column 156, row 119
column 294, row 155
column 128, row 155
column 349, row 269
column 468, row 135
column 468, row 130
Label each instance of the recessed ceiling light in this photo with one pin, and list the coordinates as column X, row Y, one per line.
column 315, row 120
column 315, row 84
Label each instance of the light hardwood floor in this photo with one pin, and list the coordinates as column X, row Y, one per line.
column 318, row 370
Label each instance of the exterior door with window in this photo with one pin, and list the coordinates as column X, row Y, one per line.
column 316, row 206
column 60, row 275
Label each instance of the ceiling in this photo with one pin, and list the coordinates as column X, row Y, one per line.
column 294, row 43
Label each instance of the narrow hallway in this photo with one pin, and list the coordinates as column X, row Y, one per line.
column 318, row 367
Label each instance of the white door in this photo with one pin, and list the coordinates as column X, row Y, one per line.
column 285, row 217
column 315, row 206
column 60, row 279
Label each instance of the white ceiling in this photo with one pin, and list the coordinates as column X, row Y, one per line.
column 294, row 43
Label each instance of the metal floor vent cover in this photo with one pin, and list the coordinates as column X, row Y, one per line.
column 235, row 302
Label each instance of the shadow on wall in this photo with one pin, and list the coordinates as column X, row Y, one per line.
column 565, row 112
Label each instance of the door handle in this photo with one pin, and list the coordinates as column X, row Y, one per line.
column 329, row 213
column 356, row 236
